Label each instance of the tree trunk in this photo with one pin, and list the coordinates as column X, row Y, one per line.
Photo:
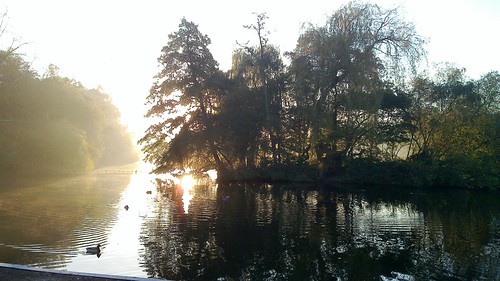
column 221, row 168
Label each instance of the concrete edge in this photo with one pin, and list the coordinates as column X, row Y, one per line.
column 74, row 273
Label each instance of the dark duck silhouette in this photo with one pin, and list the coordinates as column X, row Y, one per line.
column 126, row 207
column 94, row 250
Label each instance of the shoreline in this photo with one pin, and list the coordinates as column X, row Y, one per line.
column 14, row 272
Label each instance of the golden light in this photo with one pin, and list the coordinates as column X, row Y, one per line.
column 187, row 182
column 212, row 174
column 186, row 200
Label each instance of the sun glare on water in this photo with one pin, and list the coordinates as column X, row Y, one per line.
column 187, row 184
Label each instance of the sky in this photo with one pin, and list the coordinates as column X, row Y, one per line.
column 114, row 44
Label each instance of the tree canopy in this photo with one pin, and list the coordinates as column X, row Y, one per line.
column 349, row 100
column 54, row 125
column 185, row 97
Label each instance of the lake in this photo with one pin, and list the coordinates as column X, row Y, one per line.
column 248, row 232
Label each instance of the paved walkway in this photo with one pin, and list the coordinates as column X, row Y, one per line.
column 14, row 272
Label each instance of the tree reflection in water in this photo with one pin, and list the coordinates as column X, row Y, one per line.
column 257, row 232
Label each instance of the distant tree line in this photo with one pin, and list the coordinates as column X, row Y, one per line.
column 53, row 125
column 348, row 106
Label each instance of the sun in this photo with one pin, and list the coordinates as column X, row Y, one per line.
column 187, row 182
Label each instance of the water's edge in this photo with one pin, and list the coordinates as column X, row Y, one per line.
column 15, row 272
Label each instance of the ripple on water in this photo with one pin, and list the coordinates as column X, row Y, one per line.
column 249, row 231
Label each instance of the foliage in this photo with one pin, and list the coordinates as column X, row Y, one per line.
column 185, row 97
column 348, row 106
column 455, row 128
column 53, row 125
column 340, row 70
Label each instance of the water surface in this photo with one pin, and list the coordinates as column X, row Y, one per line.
column 249, row 232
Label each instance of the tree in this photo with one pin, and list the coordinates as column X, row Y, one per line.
column 240, row 124
column 455, row 127
column 489, row 91
column 438, row 103
column 54, row 125
column 259, row 27
column 350, row 56
column 264, row 64
column 185, row 97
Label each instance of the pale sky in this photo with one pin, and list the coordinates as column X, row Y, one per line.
column 115, row 43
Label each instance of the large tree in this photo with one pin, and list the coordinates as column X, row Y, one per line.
column 262, row 68
column 184, row 98
column 338, row 69
column 263, row 77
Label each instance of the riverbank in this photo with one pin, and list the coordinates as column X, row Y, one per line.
column 14, row 272
column 370, row 172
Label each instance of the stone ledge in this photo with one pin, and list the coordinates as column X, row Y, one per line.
column 15, row 272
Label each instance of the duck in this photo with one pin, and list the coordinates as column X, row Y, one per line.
column 94, row 250
column 126, row 207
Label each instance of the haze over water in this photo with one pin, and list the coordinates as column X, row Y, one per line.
column 255, row 232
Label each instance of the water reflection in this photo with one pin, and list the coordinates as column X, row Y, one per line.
column 123, row 246
column 284, row 233
column 187, row 184
column 47, row 223
column 248, row 232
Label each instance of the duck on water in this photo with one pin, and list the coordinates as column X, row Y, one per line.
column 94, row 250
